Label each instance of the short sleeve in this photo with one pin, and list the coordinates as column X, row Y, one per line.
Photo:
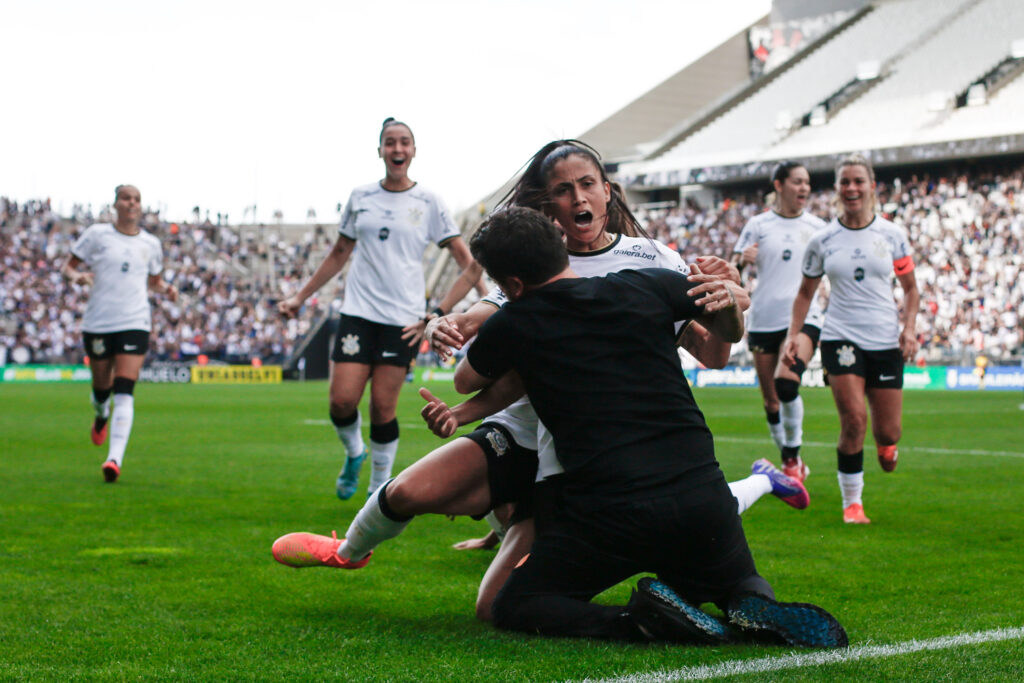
column 347, row 227
column 814, row 264
column 490, row 354
column 83, row 246
column 442, row 227
column 156, row 259
column 746, row 238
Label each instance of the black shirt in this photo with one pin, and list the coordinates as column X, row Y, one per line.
column 599, row 362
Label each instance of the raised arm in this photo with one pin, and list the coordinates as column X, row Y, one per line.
column 332, row 264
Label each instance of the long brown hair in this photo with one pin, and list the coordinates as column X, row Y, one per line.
column 531, row 190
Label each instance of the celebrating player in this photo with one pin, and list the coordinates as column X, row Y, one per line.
column 774, row 241
column 497, row 463
column 641, row 490
column 123, row 260
column 392, row 220
column 862, row 347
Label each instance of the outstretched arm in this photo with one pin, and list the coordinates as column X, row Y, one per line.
column 331, row 266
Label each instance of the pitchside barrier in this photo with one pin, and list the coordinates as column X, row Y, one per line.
column 994, row 378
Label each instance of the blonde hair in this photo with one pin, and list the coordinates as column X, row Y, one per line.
column 854, row 160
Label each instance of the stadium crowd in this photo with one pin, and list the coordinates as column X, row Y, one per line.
column 967, row 232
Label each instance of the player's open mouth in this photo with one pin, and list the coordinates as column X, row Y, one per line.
column 398, row 161
column 583, row 218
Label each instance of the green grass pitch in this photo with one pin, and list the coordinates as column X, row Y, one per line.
column 167, row 575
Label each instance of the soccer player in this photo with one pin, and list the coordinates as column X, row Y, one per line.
column 393, row 220
column 774, row 242
column 123, row 261
column 863, row 348
column 641, row 490
column 497, row 463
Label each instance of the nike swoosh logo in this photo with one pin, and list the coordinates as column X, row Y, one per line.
column 130, row 347
column 886, row 378
column 388, row 354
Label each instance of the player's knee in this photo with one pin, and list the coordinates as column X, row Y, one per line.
column 124, row 385
column 343, row 409
column 786, row 389
column 483, row 608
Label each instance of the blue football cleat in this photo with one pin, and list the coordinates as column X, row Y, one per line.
column 663, row 615
column 348, row 478
column 797, row 623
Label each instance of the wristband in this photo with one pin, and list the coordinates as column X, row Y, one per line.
column 438, row 311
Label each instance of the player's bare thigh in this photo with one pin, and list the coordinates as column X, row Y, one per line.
column 805, row 349
column 348, row 380
column 513, row 548
column 385, row 386
column 848, row 392
column 450, row 480
column 764, row 364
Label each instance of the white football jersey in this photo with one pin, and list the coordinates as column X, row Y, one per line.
column 624, row 253
column 391, row 229
column 781, row 243
column 121, row 265
column 859, row 264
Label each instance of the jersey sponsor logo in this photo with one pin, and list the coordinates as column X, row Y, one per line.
column 634, row 254
column 384, row 234
column 858, row 255
column 125, row 266
column 498, row 442
column 846, row 356
column 787, row 254
column 858, row 274
column 886, row 378
column 350, row 344
column 98, row 347
column 388, row 354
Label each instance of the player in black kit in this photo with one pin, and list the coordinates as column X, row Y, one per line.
column 641, row 489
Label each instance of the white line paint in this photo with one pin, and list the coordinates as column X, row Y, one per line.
column 740, row 667
column 903, row 448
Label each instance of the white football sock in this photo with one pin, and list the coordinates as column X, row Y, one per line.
column 121, row 426
column 778, row 433
column 370, row 528
column 793, row 422
column 352, row 436
column 383, row 457
column 102, row 408
column 851, row 486
column 748, row 491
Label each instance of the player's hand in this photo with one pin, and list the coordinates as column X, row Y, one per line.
column 789, row 351
column 171, row 293
column 718, row 295
column 749, row 255
column 415, row 331
column 717, row 267
column 444, row 336
column 289, row 307
column 438, row 415
column 485, row 543
column 82, row 278
column 908, row 345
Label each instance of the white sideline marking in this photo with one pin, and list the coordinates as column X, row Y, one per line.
column 903, row 448
column 321, row 423
column 740, row 667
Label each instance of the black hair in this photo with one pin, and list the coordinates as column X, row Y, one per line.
column 783, row 169
column 519, row 242
column 392, row 121
column 531, row 190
